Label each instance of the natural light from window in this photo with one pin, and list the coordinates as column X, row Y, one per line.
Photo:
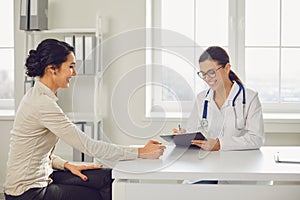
column 6, row 53
column 261, row 36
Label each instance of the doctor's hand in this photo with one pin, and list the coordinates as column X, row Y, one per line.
column 208, row 145
column 175, row 131
column 152, row 150
column 77, row 168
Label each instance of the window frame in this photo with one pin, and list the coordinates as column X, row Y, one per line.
column 236, row 50
column 170, row 106
column 8, row 104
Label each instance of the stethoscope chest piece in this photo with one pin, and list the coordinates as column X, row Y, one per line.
column 204, row 123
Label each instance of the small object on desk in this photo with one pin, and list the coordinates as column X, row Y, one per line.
column 290, row 157
column 179, row 128
column 184, row 139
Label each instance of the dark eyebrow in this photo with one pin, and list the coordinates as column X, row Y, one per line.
column 207, row 70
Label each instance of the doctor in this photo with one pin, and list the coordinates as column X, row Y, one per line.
column 229, row 114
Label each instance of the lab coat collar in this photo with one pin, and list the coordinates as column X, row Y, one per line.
column 210, row 96
column 234, row 89
column 43, row 89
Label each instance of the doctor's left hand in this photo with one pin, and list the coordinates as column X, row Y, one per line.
column 77, row 168
column 208, row 145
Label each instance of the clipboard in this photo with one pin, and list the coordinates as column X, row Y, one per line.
column 183, row 139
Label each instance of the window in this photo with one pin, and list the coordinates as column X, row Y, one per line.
column 270, row 64
column 262, row 48
column 6, row 55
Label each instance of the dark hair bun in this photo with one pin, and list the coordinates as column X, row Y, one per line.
column 33, row 65
column 49, row 52
column 33, row 53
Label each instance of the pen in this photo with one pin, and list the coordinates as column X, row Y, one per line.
column 179, row 128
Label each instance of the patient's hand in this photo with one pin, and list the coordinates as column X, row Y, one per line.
column 152, row 150
column 77, row 168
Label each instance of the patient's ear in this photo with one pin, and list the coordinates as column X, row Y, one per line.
column 51, row 70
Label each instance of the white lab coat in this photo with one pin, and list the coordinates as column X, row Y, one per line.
column 222, row 122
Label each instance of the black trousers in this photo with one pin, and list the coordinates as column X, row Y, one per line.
column 67, row 186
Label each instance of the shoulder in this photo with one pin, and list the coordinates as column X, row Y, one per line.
column 42, row 96
column 251, row 95
column 44, row 103
column 47, row 103
column 33, row 98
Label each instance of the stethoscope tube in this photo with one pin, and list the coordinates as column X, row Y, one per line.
column 241, row 88
column 204, row 113
column 204, row 122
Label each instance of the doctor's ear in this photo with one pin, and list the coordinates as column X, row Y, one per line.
column 227, row 67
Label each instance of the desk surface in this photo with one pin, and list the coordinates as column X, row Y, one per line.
column 185, row 164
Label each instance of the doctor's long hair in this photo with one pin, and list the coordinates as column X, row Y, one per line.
column 216, row 53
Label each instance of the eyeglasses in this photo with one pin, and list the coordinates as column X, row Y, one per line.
column 211, row 73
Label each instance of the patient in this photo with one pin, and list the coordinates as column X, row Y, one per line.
column 40, row 123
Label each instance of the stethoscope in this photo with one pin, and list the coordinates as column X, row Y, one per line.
column 239, row 121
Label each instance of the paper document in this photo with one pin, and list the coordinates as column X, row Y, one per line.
column 287, row 157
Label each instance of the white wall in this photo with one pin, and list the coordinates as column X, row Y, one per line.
column 118, row 16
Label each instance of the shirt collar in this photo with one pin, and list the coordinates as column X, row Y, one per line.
column 233, row 91
column 43, row 89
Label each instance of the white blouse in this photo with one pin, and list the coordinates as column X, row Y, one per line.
column 38, row 125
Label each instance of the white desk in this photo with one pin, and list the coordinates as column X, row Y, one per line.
column 161, row 179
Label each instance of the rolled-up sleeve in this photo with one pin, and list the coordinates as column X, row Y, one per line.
column 57, row 162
